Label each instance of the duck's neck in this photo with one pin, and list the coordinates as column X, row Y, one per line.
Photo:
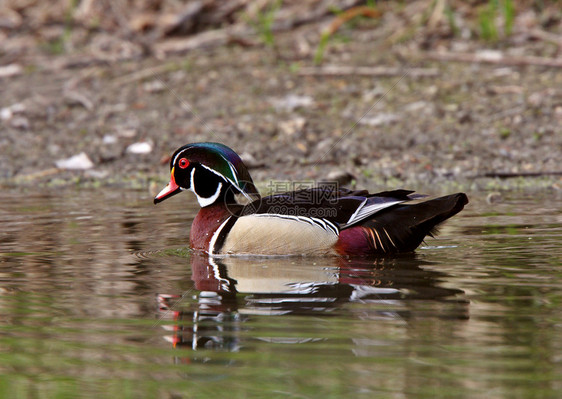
column 206, row 222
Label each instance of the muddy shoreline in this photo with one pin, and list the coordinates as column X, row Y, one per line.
column 379, row 111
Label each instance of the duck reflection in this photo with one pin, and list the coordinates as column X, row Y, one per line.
column 232, row 290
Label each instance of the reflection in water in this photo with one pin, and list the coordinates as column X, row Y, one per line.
column 80, row 271
column 234, row 289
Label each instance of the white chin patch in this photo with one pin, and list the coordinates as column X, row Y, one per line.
column 203, row 202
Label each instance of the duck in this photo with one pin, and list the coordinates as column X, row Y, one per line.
column 234, row 219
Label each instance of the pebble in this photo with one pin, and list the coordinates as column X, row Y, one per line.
column 20, row 122
column 292, row 102
column 77, row 162
column 127, row 133
column 10, row 70
column 249, row 160
column 292, row 126
column 494, row 197
column 73, row 98
column 155, row 86
column 8, row 112
column 143, row 147
column 420, row 107
column 97, row 174
column 109, row 139
column 504, row 71
column 342, row 177
column 491, row 55
column 536, row 99
column 380, row 119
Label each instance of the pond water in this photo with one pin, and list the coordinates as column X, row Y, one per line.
column 99, row 297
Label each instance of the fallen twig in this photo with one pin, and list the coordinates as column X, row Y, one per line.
column 498, row 59
column 545, row 36
column 150, row 72
column 348, row 15
column 208, row 39
column 37, row 175
column 338, row 70
column 507, row 175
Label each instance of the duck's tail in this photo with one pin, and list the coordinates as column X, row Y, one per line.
column 400, row 228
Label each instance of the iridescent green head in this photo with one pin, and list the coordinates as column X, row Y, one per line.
column 212, row 171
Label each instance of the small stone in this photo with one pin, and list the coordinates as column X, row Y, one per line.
column 97, row 174
column 20, row 122
column 374, row 93
column 464, row 117
column 155, row 86
column 452, row 107
column 420, row 107
column 249, row 160
column 301, row 146
column 505, row 71
column 10, row 70
column 109, row 139
column 489, row 55
column 292, row 102
column 140, row 148
column 536, row 99
column 381, row 119
column 494, row 197
column 342, row 177
column 8, row 112
column 77, row 162
column 74, row 98
column 292, row 126
column 127, row 133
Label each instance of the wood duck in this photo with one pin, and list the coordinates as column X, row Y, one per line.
column 235, row 219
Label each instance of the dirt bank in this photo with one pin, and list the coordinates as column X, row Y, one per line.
column 407, row 98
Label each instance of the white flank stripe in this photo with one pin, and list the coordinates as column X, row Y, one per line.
column 322, row 223
column 216, row 236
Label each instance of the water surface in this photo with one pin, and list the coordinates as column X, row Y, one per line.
column 99, row 296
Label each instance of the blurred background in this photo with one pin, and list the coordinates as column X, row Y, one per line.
column 376, row 93
column 99, row 294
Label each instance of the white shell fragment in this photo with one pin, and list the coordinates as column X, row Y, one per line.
column 140, row 148
column 7, row 113
column 77, row 162
column 292, row 102
column 10, row 70
column 380, row 119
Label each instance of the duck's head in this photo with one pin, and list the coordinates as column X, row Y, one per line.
column 213, row 171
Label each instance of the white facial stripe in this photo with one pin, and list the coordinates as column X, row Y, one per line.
column 202, row 200
column 229, row 180
column 191, row 181
column 178, row 155
column 216, row 173
column 232, row 169
column 231, row 166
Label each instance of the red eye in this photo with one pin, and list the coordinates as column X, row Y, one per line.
column 183, row 163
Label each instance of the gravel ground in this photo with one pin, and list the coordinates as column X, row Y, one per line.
column 396, row 101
